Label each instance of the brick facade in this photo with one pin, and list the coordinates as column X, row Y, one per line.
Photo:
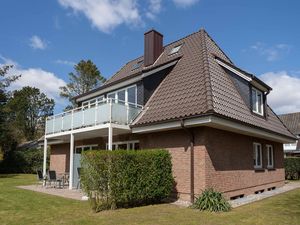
column 221, row 159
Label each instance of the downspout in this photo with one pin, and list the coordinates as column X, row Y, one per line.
column 192, row 142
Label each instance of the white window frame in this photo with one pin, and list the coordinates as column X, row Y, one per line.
column 256, row 91
column 116, row 144
column 84, row 146
column 270, row 148
column 88, row 102
column 126, row 94
column 255, row 156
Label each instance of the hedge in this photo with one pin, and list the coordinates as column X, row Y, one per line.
column 292, row 168
column 114, row 179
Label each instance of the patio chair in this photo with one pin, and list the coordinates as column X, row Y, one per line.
column 78, row 182
column 53, row 178
column 40, row 177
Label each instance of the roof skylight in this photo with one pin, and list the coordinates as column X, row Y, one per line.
column 175, row 49
column 137, row 65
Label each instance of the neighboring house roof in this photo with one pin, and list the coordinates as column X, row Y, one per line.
column 196, row 86
column 292, row 121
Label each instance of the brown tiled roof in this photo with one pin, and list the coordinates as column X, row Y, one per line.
column 292, row 121
column 198, row 85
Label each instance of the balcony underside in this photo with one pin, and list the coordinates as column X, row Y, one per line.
column 88, row 133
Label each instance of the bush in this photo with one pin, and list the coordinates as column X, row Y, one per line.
column 292, row 168
column 114, row 179
column 211, row 200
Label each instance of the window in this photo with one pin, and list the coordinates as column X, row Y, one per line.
column 80, row 149
column 126, row 95
column 270, row 156
column 175, row 49
column 257, row 155
column 125, row 145
column 257, row 101
column 92, row 102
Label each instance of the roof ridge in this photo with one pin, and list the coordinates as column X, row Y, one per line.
column 206, row 72
column 217, row 45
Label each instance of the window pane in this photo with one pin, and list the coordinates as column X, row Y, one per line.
column 258, row 155
column 132, row 95
column 121, row 97
column 259, row 100
column 112, row 96
column 254, row 100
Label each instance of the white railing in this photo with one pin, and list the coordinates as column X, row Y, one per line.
column 107, row 111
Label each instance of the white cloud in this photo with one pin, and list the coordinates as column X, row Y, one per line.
column 46, row 81
column 272, row 53
column 184, row 3
column 285, row 96
column 37, row 43
column 65, row 62
column 106, row 14
column 154, row 8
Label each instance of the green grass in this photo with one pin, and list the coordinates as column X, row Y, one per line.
column 26, row 207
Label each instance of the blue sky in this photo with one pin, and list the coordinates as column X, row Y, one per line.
column 43, row 39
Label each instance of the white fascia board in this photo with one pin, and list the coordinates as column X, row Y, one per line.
column 215, row 122
column 159, row 68
column 236, row 127
column 200, row 121
column 247, row 78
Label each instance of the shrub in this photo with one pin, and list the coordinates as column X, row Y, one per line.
column 292, row 168
column 211, row 200
column 114, row 179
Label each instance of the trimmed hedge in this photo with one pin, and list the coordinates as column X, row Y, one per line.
column 292, row 168
column 114, row 179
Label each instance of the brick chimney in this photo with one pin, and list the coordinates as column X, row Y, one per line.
column 153, row 46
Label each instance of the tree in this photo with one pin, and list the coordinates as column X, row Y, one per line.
column 85, row 78
column 28, row 110
column 6, row 139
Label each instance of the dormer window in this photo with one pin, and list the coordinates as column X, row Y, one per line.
column 257, row 101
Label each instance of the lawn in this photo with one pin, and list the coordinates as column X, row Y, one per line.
column 26, row 207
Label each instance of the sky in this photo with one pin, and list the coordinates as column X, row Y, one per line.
column 44, row 39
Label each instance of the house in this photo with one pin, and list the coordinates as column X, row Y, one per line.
column 292, row 122
column 189, row 98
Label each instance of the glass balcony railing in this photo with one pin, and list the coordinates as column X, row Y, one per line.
column 107, row 111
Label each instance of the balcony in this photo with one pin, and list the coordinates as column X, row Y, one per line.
column 107, row 111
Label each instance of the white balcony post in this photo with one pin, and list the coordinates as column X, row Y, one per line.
column 53, row 124
column 45, row 161
column 71, row 161
column 110, row 110
column 110, row 137
column 96, row 112
column 62, row 122
column 72, row 115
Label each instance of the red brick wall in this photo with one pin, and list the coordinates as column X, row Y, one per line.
column 60, row 158
column 229, row 164
column 222, row 160
column 178, row 144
